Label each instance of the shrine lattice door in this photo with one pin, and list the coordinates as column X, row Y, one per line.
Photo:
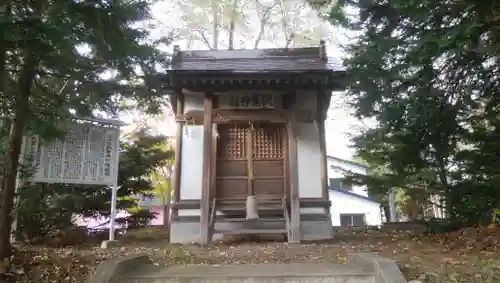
column 250, row 161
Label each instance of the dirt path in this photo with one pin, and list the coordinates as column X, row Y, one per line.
column 434, row 259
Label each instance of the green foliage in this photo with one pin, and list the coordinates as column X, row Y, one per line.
column 427, row 72
column 46, row 208
column 74, row 43
column 496, row 216
column 59, row 58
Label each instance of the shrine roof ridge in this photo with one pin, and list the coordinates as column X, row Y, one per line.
column 256, row 60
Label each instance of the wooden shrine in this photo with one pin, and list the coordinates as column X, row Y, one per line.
column 250, row 150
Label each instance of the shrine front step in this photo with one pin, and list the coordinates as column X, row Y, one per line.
column 241, row 208
column 251, row 231
column 252, row 273
column 243, row 226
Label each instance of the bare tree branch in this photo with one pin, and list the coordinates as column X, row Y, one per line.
column 215, row 24
column 205, row 39
column 289, row 34
column 263, row 18
column 232, row 24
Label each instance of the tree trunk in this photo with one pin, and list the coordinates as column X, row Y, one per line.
column 232, row 24
column 287, row 30
column 166, row 211
column 167, row 199
column 215, row 24
column 386, row 210
column 263, row 18
column 21, row 111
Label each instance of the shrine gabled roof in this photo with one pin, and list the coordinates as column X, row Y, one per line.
column 311, row 59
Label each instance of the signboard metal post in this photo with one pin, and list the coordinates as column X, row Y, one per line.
column 114, row 192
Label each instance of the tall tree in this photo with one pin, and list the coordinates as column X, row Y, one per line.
column 427, row 72
column 56, row 53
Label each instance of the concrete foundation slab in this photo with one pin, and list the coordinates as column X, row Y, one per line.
column 184, row 232
column 316, row 230
column 254, row 273
column 361, row 268
column 187, row 232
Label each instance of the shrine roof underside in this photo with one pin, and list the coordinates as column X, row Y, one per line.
column 255, row 69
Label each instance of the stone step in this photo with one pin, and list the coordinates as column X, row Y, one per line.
column 250, row 221
column 249, row 231
column 260, row 207
column 251, row 273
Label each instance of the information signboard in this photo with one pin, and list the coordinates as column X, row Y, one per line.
column 87, row 154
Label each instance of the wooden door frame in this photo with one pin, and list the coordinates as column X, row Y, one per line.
column 286, row 155
column 291, row 162
column 294, row 234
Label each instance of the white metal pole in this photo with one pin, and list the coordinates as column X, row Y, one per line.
column 112, row 215
column 392, row 206
column 114, row 189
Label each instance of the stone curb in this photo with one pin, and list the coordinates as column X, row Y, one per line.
column 111, row 269
column 385, row 270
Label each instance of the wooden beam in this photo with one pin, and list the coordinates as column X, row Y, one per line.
column 212, row 81
column 205, row 235
column 320, row 121
column 287, row 164
column 178, row 151
column 304, row 202
column 230, row 116
column 186, row 204
column 294, row 233
column 314, row 202
column 225, row 87
column 214, row 160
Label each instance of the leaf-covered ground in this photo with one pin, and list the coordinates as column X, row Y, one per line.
column 471, row 255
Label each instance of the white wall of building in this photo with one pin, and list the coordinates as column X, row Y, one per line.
column 192, row 152
column 345, row 204
column 309, row 161
column 355, row 201
column 309, row 165
column 334, row 171
column 308, row 154
column 191, row 163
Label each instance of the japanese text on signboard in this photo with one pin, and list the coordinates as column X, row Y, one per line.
column 87, row 154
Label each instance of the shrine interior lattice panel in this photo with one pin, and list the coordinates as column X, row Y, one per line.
column 232, row 142
column 231, row 165
column 267, row 161
column 268, row 142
